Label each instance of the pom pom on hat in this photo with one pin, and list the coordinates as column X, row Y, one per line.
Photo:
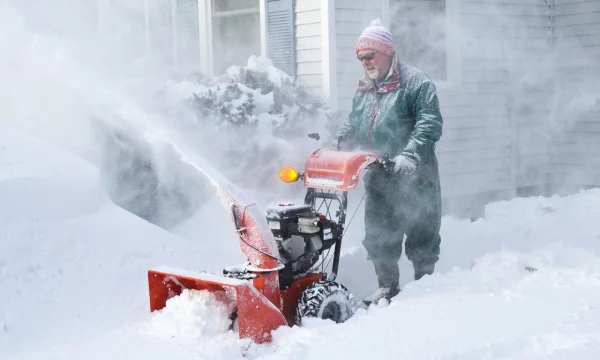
column 376, row 37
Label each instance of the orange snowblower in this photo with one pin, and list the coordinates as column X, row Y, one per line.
column 283, row 282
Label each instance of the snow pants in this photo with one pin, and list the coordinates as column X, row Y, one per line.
column 398, row 205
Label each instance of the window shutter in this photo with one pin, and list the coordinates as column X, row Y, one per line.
column 280, row 35
column 187, row 36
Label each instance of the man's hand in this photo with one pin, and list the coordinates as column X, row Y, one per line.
column 404, row 165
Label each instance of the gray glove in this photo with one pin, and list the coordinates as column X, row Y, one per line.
column 404, row 165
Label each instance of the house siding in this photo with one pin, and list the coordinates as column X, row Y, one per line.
column 494, row 141
column 577, row 121
column 309, row 65
column 351, row 17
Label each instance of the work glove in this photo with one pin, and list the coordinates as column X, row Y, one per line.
column 404, row 165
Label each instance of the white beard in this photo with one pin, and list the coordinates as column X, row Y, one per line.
column 374, row 75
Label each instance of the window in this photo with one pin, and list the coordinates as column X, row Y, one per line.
column 420, row 35
column 235, row 32
column 220, row 6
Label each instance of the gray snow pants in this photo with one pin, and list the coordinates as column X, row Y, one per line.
column 396, row 205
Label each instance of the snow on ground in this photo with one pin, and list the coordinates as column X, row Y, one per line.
column 73, row 279
column 73, row 266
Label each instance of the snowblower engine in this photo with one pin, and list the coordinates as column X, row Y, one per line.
column 301, row 234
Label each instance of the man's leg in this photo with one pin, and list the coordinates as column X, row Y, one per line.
column 423, row 233
column 383, row 234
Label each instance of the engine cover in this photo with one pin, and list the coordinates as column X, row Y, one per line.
column 283, row 218
column 298, row 231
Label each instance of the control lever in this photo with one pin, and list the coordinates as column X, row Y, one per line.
column 316, row 137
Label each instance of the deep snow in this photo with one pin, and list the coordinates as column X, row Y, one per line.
column 73, row 265
column 73, row 279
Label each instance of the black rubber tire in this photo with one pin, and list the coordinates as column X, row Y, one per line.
column 326, row 300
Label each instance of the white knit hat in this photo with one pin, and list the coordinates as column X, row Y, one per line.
column 376, row 37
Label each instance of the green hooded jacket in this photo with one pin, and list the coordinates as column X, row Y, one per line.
column 400, row 116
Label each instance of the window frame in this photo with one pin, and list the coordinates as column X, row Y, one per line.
column 218, row 15
column 205, row 18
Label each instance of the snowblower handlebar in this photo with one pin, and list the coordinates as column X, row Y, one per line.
column 328, row 168
column 382, row 163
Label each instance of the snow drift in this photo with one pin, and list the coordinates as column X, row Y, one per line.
column 522, row 282
column 73, row 265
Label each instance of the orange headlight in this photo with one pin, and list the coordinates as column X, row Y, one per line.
column 288, row 174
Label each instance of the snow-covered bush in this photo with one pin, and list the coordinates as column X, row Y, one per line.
column 252, row 119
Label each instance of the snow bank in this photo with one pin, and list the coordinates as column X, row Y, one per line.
column 193, row 315
column 72, row 264
column 77, row 285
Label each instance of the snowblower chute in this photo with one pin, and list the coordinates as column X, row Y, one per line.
column 282, row 282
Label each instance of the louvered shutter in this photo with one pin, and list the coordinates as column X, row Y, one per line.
column 280, row 35
column 188, row 36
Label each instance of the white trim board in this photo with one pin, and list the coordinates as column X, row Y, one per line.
column 454, row 77
column 329, row 52
column 205, row 36
column 264, row 35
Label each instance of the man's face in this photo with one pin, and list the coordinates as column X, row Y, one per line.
column 376, row 63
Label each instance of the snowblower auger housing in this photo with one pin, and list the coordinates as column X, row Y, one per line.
column 281, row 282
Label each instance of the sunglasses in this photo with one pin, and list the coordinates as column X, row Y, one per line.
column 367, row 56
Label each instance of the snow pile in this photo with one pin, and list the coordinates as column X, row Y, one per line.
column 262, row 65
column 193, row 315
column 522, row 283
column 72, row 264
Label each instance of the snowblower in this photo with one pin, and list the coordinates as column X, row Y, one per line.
column 283, row 280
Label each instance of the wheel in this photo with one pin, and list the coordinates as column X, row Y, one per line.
column 325, row 300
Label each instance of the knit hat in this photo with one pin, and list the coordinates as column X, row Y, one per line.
column 376, row 37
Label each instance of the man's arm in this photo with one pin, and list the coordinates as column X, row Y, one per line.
column 428, row 126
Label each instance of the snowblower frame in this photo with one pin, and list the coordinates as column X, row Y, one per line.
column 279, row 285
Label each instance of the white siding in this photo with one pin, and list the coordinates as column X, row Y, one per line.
column 496, row 117
column 577, row 125
column 308, row 45
column 351, row 17
column 495, row 137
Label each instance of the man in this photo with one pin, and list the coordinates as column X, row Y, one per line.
column 395, row 111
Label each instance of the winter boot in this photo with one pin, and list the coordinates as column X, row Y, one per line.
column 423, row 269
column 388, row 277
